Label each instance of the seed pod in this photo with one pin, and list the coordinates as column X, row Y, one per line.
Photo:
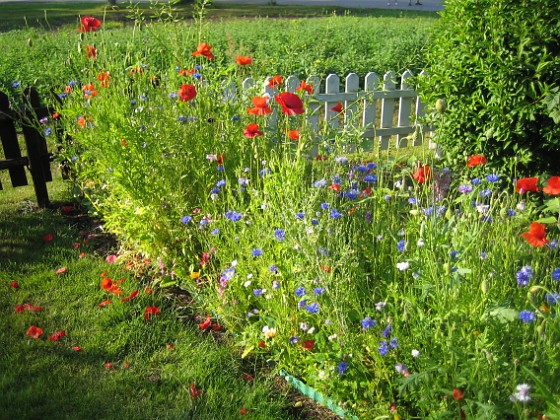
column 29, row 42
column 441, row 105
column 484, row 286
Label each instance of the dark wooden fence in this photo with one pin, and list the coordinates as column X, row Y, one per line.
column 38, row 157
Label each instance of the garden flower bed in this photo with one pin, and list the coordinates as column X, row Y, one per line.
column 391, row 287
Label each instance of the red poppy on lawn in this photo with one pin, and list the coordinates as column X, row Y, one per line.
column 243, row 411
column 293, row 135
column 261, row 106
column 56, row 116
column 524, row 185
column 308, row 344
column 536, row 235
column 48, row 237
column 108, row 365
column 169, row 347
column 291, row 103
column 476, row 160
column 553, row 186
column 275, row 81
column 89, row 24
column 131, row 296
column 76, row 348
column 195, row 392
column 262, row 344
column 150, row 310
column 111, row 259
column 89, row 91
column 457, row 394
column 244, row 60
column 252, row 131
column 186, row 72
column 108, row 285
column 206, row 324
column 20, row 309
column 216, row 327
column 247, row 377
column 219, row 161
column 81, row 121
column 423, row 174
column 105, row 303
column 91, row 51
column 337, row 107
column 104, row 77
column 14, row 285
column 61, row 270
column 57, row 335
column 32, row 308
column 334, row 187
column 305, row 87
column 187, row 92
column 326, row 268
column 203, row 49
column 34, row 332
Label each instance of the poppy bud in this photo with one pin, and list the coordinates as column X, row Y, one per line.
column 441, row 105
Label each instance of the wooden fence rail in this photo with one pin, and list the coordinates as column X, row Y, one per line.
column 38, row 157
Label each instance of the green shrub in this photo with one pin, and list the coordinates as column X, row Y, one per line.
column 497, row 65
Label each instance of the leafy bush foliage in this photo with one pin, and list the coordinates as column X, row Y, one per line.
column 497, row 65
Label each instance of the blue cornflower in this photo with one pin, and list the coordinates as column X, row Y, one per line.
column 401, row 245
column 300, row 215
column 227, row 274
column 368, row 322
column 341, row 159
column 16, row 84
column 143, row 97
column 202, row 223
column 233, row 216
column 312, row 308
column 186, row 219
column 323, row 251
column 198, row 67
column 319, row 290
column 215, row 190
column 279, row 234
column 351, row 194
column 553, row 297
column 556, row 274
column 335, row 214
column 511, row 212
column 325, row 206
column 383, row 348
column 394, row 343
column 300, row 291
column 314, row 222
column 235, row 118
column 492, row 178
column 476, row 181
column 258, row 292
column 485, row 193
column 553, row 244
column 465, row 188
column 243, row 181
column 273, row 268
column 172, row 95
column 275, row 285
column 486, row 219
column 48, row 132
column 524, row 275
column 197, row 76
column 265, row 171
column 294, row 339
column 221, row 183
column 342, row 368
column 527, row 316
column 362, row 168
column 215, row 231
column 387, row 331
column 320, row 184
column 371, row 166
column 336, row 179
column 73, row 82
column 302, row 303
column 257, row 252
column 370, row 178
column 182, row 119
column 412, row 200
column 453, row 254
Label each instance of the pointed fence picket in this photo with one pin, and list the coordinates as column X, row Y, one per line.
column 381, row 109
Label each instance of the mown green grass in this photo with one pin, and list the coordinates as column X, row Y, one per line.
column 48, row 379
column 53, row 15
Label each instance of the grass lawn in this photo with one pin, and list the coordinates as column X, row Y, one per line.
column 112, row 362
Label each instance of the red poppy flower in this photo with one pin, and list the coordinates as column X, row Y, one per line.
column 337, row 107
column 104, row 78
column 305, row 87
column 81, row 121
column 262, row 344
column 206, row 324
column 14, row 285
column 291, row 103
column 108, row 365
column 326, row 268
column 476, row 160
column 89, row 24
column 252, row 131
column 203, row 49
column 32, row 308
column 216, row 327
column 334, row 187
column 308, row 344
column 48, row 237
column 423, row 174
column 34, row 332
column 261, row 106
column 553, row 186
column 536, row 235
column 243, row 411
column 244, row 60
column 76, row 348
column 195, row 392
column 150, row 310
column 186, row 72
column 275, row 81
column 187, row 93
column 104, row 303
column 131, row 296
column 61, row 270
column 524, row 185
column 20, row 309
column 247, row 377
column 106, row 283
column 57, row 335
column 220, row 160
column 169, row 347
column 111, row 259
column 91, row 51
column 457, row 394
column 293, row 135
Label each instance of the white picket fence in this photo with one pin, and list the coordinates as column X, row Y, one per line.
column 379, row 111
